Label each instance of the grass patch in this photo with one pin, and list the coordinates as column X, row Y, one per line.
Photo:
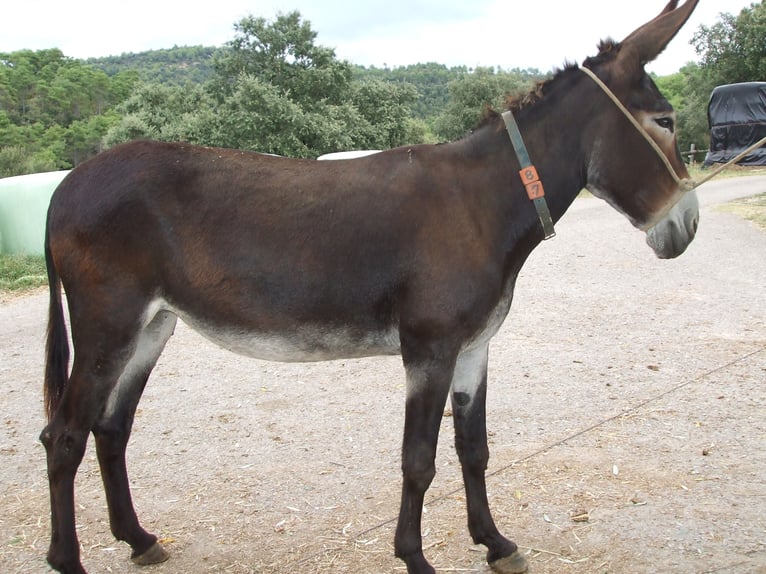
column 750, row 208
column 20, row 273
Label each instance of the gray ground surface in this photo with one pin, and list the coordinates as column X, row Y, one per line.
column 624, row 389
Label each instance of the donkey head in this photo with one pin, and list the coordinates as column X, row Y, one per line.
column 623, row 167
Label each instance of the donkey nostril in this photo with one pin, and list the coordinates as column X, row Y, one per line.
column 691, row 220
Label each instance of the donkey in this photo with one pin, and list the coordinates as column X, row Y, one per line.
column 413, row 251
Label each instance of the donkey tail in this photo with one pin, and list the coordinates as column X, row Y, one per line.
column 57, row 343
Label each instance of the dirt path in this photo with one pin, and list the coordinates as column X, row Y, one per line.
column 625, row 392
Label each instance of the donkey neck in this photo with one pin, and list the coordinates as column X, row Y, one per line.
column 552, row 129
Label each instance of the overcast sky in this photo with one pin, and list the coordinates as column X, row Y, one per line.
column 541, row 34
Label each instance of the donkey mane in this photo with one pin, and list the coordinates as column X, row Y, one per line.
column 538, row 91
column 607, row 50
column 516, row 103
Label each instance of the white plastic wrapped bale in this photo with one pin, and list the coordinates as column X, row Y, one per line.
column 348, row 154
column 24, row 203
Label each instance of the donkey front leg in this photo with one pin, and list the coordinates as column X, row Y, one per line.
column 469, row 394
column 427, row 389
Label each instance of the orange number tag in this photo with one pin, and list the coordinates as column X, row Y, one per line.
column 535, row 190
column 532, row 182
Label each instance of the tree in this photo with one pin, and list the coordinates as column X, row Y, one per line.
column 282, row 53
column 386, row 108
column 54, row 109
column 672, row 87
column 428, row 79
column 257, row 117
column 165, row 112
column 280, row 93
column 273, row 91
column 180, row 65
column 20, row 81
column 471, row 94
column 733, row 50
column 692, row 110
column 84, row 138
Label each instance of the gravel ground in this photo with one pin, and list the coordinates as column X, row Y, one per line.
column 626, row 416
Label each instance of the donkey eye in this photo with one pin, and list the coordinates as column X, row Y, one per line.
column 666, row 123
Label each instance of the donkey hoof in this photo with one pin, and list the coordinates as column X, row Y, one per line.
column 513, row 564
column 154, row 555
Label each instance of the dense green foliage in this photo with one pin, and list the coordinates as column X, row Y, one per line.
column 430, row 80
column 734, row 49
column 470, row 94
column 273, row 89
column 54, row 110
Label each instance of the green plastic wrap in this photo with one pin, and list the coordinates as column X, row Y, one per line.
column 24, row 203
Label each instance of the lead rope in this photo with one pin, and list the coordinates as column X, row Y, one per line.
column 685, row 184
column 729, row 163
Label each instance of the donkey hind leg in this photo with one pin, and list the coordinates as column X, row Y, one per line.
column 469, row 393
column 112, row 432
column 65, row 448
column 100, row 357
column 427, row 390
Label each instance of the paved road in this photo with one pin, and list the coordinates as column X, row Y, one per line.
column 722, row 190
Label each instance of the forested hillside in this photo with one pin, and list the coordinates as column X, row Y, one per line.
column 54, row 110
column 270, row 89
column 178, row 65
column 273, row 89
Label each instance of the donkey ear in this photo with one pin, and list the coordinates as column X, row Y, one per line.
column 648, row 41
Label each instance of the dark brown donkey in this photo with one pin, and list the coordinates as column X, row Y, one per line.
column 413, row 251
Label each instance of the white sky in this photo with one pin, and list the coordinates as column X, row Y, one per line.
column 541, row 34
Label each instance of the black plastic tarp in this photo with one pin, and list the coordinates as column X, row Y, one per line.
column 737, row 118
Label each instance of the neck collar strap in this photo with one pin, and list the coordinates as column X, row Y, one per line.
column 529, row 176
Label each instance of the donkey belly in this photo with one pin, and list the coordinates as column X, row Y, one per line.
column 299, row 342
column 304, row 344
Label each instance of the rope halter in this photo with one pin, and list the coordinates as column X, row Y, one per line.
column 685, row 184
